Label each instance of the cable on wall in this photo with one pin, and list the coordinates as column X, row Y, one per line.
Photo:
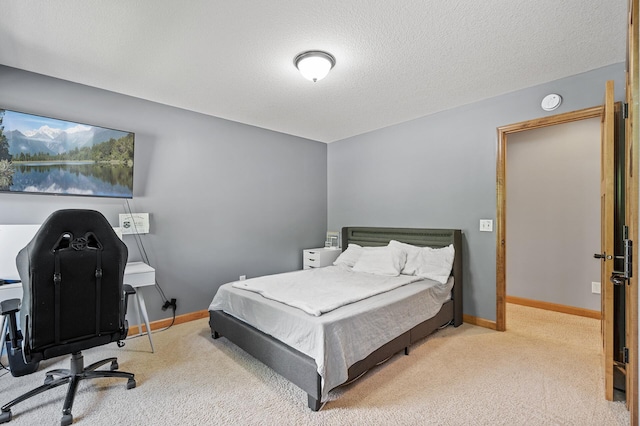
column 145, row 259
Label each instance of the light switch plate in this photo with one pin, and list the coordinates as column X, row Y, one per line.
column 486, row 225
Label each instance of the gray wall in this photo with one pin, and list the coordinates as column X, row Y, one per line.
column 553, row 213
column 251, row 199
column 440, row 171
column 225, row 199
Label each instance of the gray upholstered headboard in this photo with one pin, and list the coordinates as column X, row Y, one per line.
column 372, row 236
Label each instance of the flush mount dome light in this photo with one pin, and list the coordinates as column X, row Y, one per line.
column 314, row 65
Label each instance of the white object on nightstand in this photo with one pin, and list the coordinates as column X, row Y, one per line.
column 319, row 257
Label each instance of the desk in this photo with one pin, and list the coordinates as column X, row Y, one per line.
column 136, row 274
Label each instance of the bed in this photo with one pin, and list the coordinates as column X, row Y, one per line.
column 310, row 364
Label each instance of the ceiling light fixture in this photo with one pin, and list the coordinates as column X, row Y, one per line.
column 314, row 65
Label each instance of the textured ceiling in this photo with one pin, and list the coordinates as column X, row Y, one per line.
column 396, row 60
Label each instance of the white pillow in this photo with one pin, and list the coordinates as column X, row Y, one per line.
column 435, row 264
column 412, row 253
column 381, row 261
column 349, row 256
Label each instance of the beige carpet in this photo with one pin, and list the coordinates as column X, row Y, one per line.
column 544, row 371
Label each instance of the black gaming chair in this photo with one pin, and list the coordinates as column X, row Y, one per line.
column 73, row 299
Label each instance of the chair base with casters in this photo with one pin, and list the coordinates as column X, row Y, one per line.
column 54, row 378
column 73, row 375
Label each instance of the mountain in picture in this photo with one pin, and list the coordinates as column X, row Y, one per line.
column 53, row 141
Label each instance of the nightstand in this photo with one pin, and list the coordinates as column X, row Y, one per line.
column 319, row 257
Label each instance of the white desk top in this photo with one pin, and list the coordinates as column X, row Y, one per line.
column 137, row 268
column 12, row 239
column 10, row 291
column 139, row 274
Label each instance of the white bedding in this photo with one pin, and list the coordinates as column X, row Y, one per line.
column 343, row 336
column 320, row 290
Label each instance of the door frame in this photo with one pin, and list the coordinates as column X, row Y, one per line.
column 501, row 195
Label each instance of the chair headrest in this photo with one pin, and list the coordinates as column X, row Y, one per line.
column 74, row 228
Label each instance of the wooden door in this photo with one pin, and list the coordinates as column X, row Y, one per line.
column 631, row 214
column 607, row 211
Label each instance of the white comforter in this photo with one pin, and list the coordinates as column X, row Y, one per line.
column 343, row 336
column 322, row 290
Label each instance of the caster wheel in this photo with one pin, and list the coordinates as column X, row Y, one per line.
column 131, row 383
column 5, row 416
column 48, row 379
column 114, row 366
column 66, row 420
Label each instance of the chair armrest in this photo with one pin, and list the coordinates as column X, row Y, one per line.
column 9, row 306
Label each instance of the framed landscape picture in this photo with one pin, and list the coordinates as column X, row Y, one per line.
column 43, row 155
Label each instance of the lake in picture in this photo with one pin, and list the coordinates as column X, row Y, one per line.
column 73, row 179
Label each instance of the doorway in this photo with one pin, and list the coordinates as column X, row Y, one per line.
column 501, row 234
column 553, row 217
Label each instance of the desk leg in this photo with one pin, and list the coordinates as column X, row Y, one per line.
column 134, row 318
column 137, row 308
column 142, row 308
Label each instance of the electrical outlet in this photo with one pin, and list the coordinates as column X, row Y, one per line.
column 595, row 288
column 243, row 277
column 170, row 304
column 486, row 225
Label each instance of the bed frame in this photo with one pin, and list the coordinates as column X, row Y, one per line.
column 299, row 368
